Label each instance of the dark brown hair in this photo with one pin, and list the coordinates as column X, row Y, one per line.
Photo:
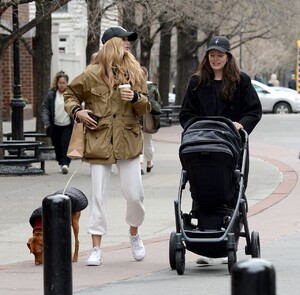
column 230, row 75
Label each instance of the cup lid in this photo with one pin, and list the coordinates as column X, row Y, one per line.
column 124, row 86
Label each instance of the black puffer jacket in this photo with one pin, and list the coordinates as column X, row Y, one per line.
column 48, row 108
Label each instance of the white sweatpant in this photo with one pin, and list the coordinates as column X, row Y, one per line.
column 148, row 148
column 132, row 189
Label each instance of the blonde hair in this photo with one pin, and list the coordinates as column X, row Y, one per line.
column 117, row 66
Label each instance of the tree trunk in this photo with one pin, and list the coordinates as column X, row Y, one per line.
column 146, row 45
column 164, row 62
column 41, row 65
column 146, row 41
column 1, row 105
column 129, row 22
column 187, row 59
column 94, row 29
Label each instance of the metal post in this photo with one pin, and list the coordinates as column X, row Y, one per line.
column 57, row 250
column 17, row 103
column 253, row 277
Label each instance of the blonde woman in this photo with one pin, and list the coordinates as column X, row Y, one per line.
column 113, row 133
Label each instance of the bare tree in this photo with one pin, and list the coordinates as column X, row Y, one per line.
column 245, row 23
column 165, row 59
column 143, row 17
column 94, row 28
column 256, row 29
column 95, row 11
column 42, row 57
column 127, row 10
column 187, row 58
column 47, row 7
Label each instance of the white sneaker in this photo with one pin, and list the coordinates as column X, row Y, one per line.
column 225, row 260
column 95, row 257
column 64, row 169
column 138, row 248
column 203, row 260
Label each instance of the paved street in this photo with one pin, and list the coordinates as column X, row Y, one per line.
column 273, row 194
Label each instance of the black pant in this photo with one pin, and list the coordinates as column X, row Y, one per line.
column 60, row 136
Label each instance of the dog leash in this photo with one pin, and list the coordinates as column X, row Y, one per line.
column 68, row 182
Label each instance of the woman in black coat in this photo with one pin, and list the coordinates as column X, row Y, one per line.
column 219, row 88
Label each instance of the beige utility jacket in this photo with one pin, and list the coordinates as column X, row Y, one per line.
column 118, row 134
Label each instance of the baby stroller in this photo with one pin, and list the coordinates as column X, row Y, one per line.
column 214, row 162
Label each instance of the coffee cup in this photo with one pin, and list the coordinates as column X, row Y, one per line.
column 124, row 87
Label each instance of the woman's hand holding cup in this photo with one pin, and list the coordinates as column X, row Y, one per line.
column 125, row 92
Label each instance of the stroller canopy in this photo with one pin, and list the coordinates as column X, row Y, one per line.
column 210, row 153
column 214, row 134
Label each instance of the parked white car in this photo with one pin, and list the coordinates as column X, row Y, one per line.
column 280, row 88
column 277, row 100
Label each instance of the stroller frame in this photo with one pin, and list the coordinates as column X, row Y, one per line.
column 179, row 239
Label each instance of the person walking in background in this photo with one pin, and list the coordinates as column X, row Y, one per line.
column 258, row 77
column 148, row 148
column 219, row 88
column 273, row 80
column 56, row 121
column 292, row 82
column 113, row 133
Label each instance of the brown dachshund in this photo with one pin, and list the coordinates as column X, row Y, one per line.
column 35, row 244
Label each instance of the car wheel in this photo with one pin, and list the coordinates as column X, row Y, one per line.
column 282, row 108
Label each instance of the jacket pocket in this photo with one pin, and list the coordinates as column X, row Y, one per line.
column 98, row 142
column 100, row 102
column 132, row 140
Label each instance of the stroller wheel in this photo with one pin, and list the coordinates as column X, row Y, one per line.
column 255, row 245
column 172, row 251
column 231, row 260
column 180, row 261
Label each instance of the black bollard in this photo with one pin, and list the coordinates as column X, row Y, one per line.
column 57, row 250
column 253, row 277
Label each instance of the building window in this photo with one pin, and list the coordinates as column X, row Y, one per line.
column 62, row 45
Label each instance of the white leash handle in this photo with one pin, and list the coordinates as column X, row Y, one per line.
column 70, row 179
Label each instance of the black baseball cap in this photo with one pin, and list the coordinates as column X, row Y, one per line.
column 220, row 43
column 118, row 32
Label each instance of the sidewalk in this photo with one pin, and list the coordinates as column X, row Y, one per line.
column 120, row 273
